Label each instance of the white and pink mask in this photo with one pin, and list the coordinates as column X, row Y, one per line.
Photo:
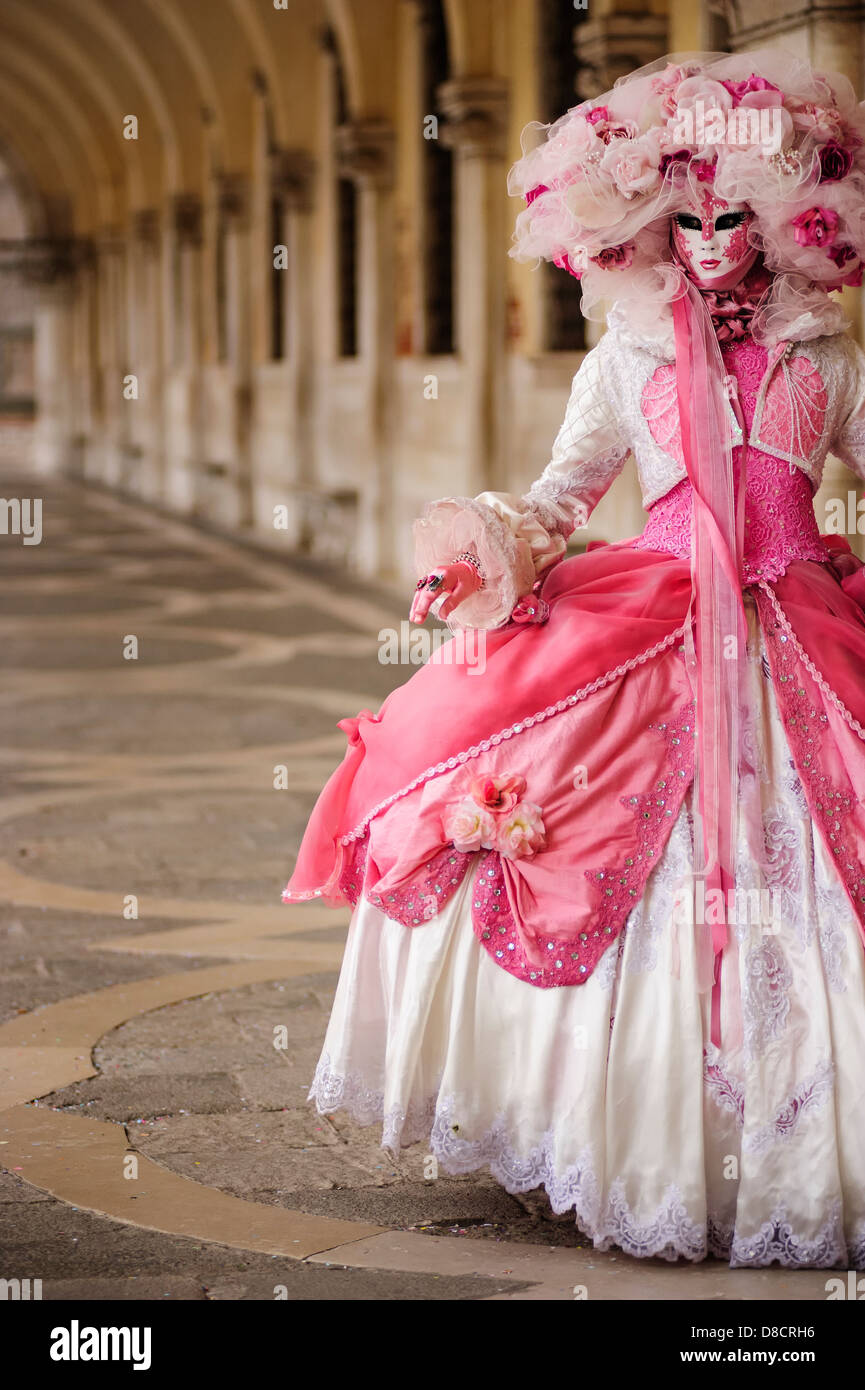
column 710, row 240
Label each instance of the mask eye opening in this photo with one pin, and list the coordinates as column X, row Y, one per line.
column 728, row 220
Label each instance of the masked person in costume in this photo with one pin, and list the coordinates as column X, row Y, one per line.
column 609, row 895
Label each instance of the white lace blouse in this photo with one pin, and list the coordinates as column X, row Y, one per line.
column 810, row 402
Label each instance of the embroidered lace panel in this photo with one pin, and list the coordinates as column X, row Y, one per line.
column 804, row 723
column 780, row 525
column 767, row 996
column 570, row 963
column 563, row 501
column 811, row 1095
column 429, row 890
column 723, row 1089
column 629, row 366
column 619, row 887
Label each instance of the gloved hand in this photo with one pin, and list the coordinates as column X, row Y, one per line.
column 458, row 581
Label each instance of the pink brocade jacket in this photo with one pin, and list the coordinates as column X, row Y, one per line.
column 809, row 403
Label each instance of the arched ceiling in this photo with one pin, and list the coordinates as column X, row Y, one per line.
column 191, row 72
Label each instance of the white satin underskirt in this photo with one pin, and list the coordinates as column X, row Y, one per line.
column 610, row 1094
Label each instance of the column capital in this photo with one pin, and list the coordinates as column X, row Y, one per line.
column 292, row 174
column 760, row 21
column 186, row 218
column 365, row 152
column 146, row 226
column 475, row 111
column 325, row 40
column 53, row 261
column 616, row 44
column 232, row 196
column 110, row 237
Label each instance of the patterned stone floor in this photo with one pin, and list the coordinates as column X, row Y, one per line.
column 154, row 1143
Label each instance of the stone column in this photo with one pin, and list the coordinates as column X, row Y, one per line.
column 181, row 351
column 53, row 354
column 144, row 353
column 615, row 44
column 184, row 322
column 233, row 211
column 475, row 111
column 144, row 305
column 291, row 179
column 112, row 339
column 365, row 153
column 83, row 363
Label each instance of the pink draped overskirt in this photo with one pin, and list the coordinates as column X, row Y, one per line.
column 595, row 710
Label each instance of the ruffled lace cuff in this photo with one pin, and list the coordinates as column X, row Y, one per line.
column 510, row 542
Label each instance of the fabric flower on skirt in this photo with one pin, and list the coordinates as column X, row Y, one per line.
column 469, row 826
column 492, row 814
column 522, row 832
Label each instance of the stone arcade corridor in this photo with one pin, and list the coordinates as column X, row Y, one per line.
column 151, row 1038
column 254, row 259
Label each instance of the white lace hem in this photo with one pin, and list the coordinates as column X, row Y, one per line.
column 669, row 1233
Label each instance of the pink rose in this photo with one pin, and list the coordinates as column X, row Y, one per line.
column 565, row 263
column 626, row 130
column 764, row 100
column 704, row 90
column 633, row 165
column 675, row 163
column 614, row 257
column 843, row 256
column 597, row 113
column 824, row 123
column 835, row 162
column 816, row 227
column 853, row 278
column 608, row 127
column 492, row 815
column 521, row 833
column 665, row 86
column 753, row 83
column 705, row 169
column 469, row 826
column 573, row 139
column 498, row 794
column 671, row 76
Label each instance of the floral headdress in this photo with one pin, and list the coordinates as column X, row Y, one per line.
column 763, row 128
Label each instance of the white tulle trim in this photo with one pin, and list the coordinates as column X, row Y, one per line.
column 796, row 310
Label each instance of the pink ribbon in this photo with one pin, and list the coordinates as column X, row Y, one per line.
column 716, row 642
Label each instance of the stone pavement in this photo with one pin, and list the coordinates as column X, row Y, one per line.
column 154, row 1142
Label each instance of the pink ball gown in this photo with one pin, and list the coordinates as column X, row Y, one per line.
column 520, row 990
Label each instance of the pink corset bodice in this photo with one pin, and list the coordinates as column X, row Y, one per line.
column 780, row 525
